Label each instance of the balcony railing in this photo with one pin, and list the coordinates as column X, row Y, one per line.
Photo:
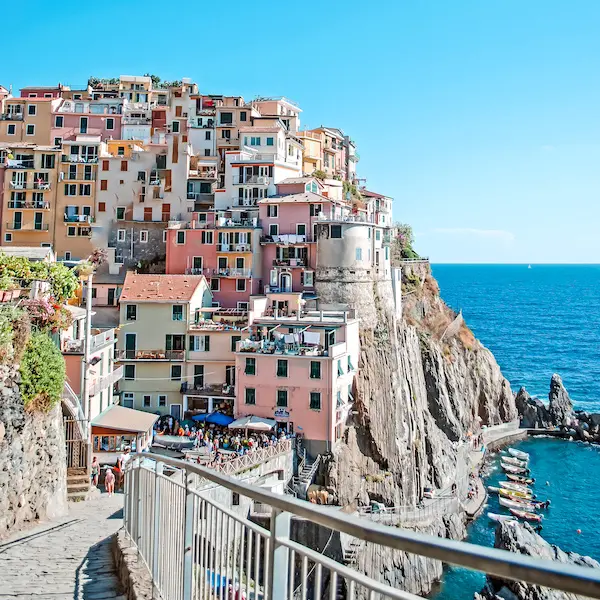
column 151, row 354
column 13, row 163
column 107, row 381
column 285, row 239
column 27, row 227
column 70, row 346
column 20, row 204
column 77, row 158
column 234, row 248
column 100, row 340
column 194, row 546
column 227, row 391
column 254, row 179
column 136, row 121
column 11, row 117
column 78, row 219
column 43, row 186
column 290, row 262
column 200, row 196
column 232, row 272
column 249, row 223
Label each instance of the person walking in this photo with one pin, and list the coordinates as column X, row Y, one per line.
column 109, row 482
column 95, row 471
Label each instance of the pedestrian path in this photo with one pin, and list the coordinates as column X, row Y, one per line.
column 65, row 558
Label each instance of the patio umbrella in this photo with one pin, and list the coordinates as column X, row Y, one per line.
column 253, row 423
column 218, row 418
column 200, row 418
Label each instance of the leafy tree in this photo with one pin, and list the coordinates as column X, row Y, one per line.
column 402, row 243
column 42, row 372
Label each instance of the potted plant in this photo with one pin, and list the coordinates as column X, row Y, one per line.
column 9, row 290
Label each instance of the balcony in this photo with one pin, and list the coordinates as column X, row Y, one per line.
column 234, row 223
column 19, row 205
column 286, row 239
column 233, row 141
column 202, row 174
column 200, row 196
column 290, row 262
column 107, row 381
column 171, row 355
column 11, row 117
column 97, row 342
column 83, row 219
column 218, row 390
column 254, row 180
column 77, row 158
column 42, row 186
column 26, row 227
column 70, row 346
column 136, row 120
column 234, row 248
column 12, row 163
column 242, row 273
column 279, row 347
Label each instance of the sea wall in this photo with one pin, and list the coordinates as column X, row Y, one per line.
column 417, row 398
column 32, row 459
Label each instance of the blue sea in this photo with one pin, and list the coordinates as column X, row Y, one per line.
column 537, row 321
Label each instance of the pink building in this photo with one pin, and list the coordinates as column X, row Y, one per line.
column 223, row 246
column 298, row 367
column 74, row 118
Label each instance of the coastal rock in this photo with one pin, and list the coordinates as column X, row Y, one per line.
column 560, row 407
column 532, row 412
column 424, row 386
column 522, row 539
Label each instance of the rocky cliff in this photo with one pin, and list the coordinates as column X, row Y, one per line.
column 32, row 459
column 424, row 382
column 522, row 539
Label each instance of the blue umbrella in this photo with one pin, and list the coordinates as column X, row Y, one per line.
column 218, row 418
column 201, row 418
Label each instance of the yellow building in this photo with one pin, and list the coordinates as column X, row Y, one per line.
column 30, row 178
column 76, row 198
column 27, row 120
column 313, row 151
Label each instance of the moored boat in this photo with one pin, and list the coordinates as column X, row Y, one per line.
column 518, row 454
column 500, row 518
column 514, row 494
column 523, row 514
column 514, row 470
column 518, row 487
column 520, row 479
column 518, row 504
column 509, row 460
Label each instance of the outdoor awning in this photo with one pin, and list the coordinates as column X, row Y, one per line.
column 253, row 423
column 125, row 419
column 215, row 418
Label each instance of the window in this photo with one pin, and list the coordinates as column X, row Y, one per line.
column 250, row 396
column 71, row 231
column 30, row 130
column 128, row 399
column 243, row 115
column 121, row 235
column 206, row 151
column 378, row 234
column 103, row 184
column 83, row 125
column 255, row 141
column 181, row 237
column 70, row 189
column 234, row 340
column 250, row 366
column 164, row 236
column 300, row 229
column 123, row 165
column 59, row 121
column 359, row 254
column 272, row 210
column 129, row 372
column 141, row 176
column 177, row 312
column 240, row 285
column 162, row 400
column 350, row 367
column 85, row 189
column 227, row 118
column 144, row 236
column 336, row 231
column 31, row 109
column 175, row 372
column 110, row 123
column 8, row 237
column 105, row 165
column 101, row 206
column 307, row 278
column 147, row 400
column 282, row 368
column 282, row 398
column 315, row 400
column 120, row 213
column 225, row 134
column 131, row 312
column 239, row 262
column 207, row 135
column 269, row 141
column 175, row 126
column 200, row 343
column 315, row 369
column 340, row 368
column 68, row 257
column 207, row 237
column 215, row 284
column 87, row 173
column 11, row 129
column 273, row 229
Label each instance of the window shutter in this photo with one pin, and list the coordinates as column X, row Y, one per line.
column 206, row 343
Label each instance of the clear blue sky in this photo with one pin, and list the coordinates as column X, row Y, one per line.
column 480, row 117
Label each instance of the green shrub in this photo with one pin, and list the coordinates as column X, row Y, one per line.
column 42, row 373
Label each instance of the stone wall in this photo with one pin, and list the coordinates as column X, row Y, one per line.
column 132, row 251
column 33, row 468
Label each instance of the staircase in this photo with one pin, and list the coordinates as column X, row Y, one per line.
column 78, row 484
column 350, row 549
column 307, row 470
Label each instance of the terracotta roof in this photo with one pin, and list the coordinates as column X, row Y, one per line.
column 125, row 419
column 159, row 288
column 369, row 194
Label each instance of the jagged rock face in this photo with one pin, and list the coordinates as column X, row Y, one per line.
column 417, row 395
column 532, row 412
column 560, row 407
column 522, row 539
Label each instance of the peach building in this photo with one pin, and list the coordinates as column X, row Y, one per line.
column 298, row 367
column 27, row 120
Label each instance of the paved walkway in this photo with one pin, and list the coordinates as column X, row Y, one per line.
column 66, row 558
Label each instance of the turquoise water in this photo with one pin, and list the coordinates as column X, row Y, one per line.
column 537, row 322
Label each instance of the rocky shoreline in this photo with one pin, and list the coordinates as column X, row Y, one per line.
column 559, row 417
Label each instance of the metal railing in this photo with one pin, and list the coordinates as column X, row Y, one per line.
column 16, row 226
column 98, row 341
column 106, row 381
column 195, row 547
column 150, row 354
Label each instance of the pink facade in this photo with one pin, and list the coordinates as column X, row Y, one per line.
column 41, row 92
column 74, row 124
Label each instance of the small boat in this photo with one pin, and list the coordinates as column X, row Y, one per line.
column 519, row 479
column 518, row 504
column 517, row 487
column 514, row 470
column 518, row 454
column 500, row 518
column 513, row 495
column 523, row 514
column 509, row 460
